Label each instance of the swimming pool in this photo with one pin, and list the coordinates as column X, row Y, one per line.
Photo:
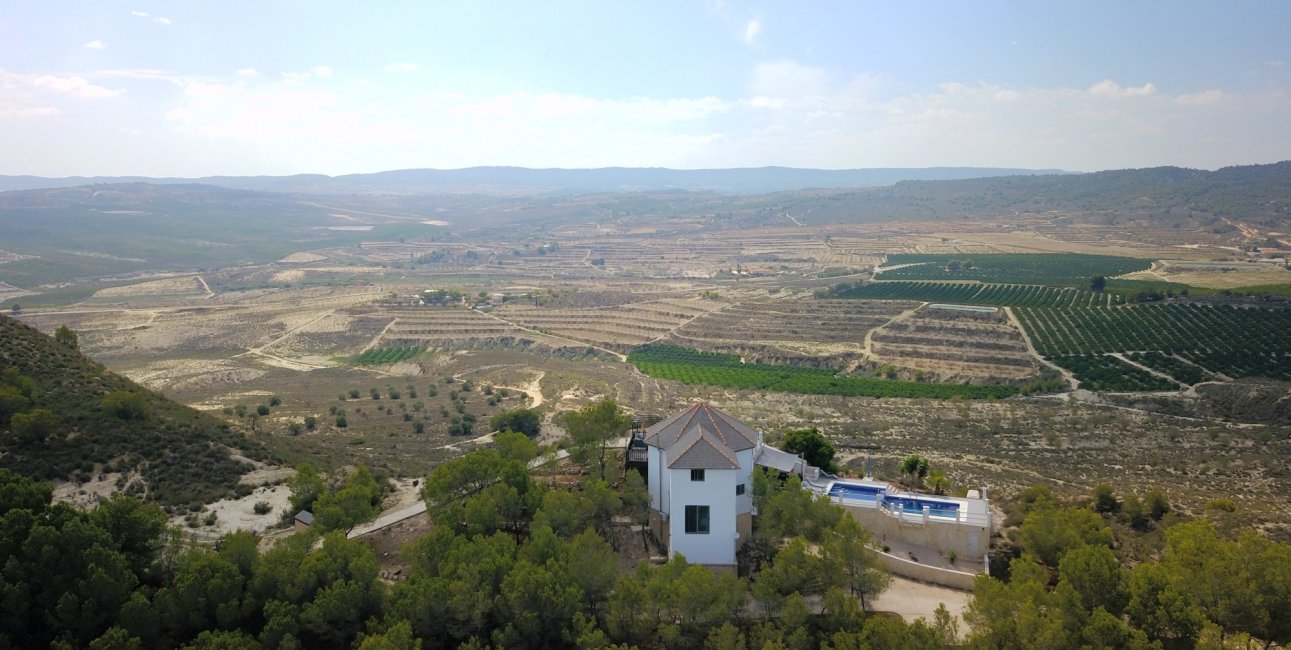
column 855, row 492
column 903, row 504
column 914, row 506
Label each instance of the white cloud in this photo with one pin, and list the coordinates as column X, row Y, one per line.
column 22, row 112
column 95, row 45
column 789, row 114
column 138, row 74
column 161, row 20
column 403, row 67
column 1109, row 88
column 316, row 72
column 140, row 14
column 1212, row 96
column 786, row 79
column 751, row 31
column 72, row 86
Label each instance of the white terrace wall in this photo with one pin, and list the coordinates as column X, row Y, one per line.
column 966, row 540
column 927, row 573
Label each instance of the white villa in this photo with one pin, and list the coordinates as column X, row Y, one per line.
column 700, row 473
column 699, row 468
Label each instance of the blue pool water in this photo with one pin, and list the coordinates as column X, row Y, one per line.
column 910, row 505
column 855, row 492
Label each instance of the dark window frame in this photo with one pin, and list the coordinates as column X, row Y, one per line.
column 697, row 475
column 698, row 521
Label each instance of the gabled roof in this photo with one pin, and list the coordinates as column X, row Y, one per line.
column 731, row 433
column 699, row 449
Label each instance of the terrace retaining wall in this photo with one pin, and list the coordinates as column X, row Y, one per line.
column 966, row 540
column 927, row 573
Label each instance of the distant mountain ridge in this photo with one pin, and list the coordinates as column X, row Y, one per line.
column 523, row 179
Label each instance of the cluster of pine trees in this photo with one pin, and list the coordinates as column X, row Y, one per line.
column 514, row 562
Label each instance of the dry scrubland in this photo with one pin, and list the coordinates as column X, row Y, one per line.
column 241, row 336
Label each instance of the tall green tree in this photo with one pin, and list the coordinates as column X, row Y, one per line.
column 306, row 486
column 812, row 445
column 1049, row 533
column 521, row 420
column 357, row 501
column 66, row 337
column 851, row 562
column 592, row 428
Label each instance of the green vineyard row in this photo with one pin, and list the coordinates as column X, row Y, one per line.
column 695, row 367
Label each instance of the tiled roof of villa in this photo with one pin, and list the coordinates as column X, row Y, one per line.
column 731, row 433
column 700, row 449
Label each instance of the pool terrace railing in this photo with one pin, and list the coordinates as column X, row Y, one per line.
column 891, row 502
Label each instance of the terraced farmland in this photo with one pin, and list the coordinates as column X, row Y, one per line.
column 621, row 327
column 1058, row 269
column 783, row 330
column 1233, row 341
column 440, row 326
column 955, row 346
column 971, row 293
column 824, row 320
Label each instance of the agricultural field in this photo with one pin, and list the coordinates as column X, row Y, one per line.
column 695, row 367
column 946, row 345
column 1180, row 370
column 972, row 293
column 620, row 328
column 805, row 332
column 1104, row 372
column 1056, row 269
column 395, row 354
column 1224, row 340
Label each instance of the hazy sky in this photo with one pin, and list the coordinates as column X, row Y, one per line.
column 230, row 87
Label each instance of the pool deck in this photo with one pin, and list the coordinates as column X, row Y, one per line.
column 969, row 510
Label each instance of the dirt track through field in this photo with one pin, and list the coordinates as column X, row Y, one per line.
column 1066, row 374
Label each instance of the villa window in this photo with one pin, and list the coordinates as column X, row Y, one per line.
column 696, row 474
column 739, row 489
column 697, row 519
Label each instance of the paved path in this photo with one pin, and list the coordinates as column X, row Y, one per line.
column 912, row 599
column 388, row 518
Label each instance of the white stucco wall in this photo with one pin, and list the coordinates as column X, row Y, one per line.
column 744, row 502
column 657, row 479
column 717, row 491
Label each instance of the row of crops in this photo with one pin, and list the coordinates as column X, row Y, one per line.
column 1234, row 341
column 1101, row 372
column 378, row 356
column 1020, row 295
column 1059, row 269
column 1171, row 365
column 712, row 369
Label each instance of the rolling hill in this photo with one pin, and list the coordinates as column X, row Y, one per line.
column 65, row 417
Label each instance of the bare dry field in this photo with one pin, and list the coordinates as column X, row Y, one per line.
column 184, row 285
column 1238, row 275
